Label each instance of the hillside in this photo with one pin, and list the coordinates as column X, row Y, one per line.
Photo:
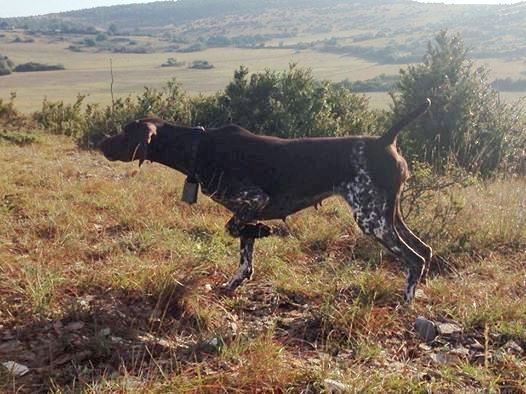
column 342, row 26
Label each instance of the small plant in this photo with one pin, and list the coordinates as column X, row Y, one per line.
column 9, row 116
column 17, row 138
column 172, row 62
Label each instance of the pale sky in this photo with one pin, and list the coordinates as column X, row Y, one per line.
column 10, row 8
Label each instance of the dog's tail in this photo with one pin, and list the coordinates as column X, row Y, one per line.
column 390, row 137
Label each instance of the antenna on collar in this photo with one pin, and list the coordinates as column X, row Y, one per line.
column 191, row 184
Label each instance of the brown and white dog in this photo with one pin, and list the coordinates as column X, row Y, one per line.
column 259, row 178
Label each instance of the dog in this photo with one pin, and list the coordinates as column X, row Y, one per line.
column 261, row 178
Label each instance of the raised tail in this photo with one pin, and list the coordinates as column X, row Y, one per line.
column 390, row 137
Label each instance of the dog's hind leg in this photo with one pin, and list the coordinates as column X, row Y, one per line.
column 414, row 242
column 375, row 215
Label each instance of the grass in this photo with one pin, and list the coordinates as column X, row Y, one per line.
column 89, row 72
column 108, row 283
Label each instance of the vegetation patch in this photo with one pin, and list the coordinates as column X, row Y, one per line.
column 173, row 62
column 201, row 65
column 6, row 65
column 33, row 66
column 18, row 138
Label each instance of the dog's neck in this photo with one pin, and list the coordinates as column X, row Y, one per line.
column 174, row 147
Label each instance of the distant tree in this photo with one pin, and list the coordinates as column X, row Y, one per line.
column 201, row 65
column 6, row 65
column 89, row 42
column 467, row 121
column 101, row 37
column 112, row 29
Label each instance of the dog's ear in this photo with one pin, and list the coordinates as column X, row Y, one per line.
column 150, row 131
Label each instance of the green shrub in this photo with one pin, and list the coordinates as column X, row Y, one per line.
column 467, row 120
column 292, row 103
column 9, row 116
column 32, row 66
column 63, row 119
column 18, row 138
column 169, row 103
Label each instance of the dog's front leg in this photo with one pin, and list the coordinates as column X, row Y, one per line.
column 249, row 202
column 245, row 270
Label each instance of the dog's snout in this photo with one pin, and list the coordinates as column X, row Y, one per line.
column 106, row 146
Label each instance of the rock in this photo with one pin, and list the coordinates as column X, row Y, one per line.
column 443, row 358
column 513, row 347
column 448, row 329
column 424, row 347
column 105, row 332
column 15, row 368
column 476, row 345
column 460, row 351
column 213, row 346
column 426, row 329
column 335, row 387
column 75, row 326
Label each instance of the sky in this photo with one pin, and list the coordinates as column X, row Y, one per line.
column 9, row 8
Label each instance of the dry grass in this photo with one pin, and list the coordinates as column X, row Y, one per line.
column 108, row 284
column 88, row 73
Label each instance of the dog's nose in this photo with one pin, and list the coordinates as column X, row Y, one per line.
column 105, row 147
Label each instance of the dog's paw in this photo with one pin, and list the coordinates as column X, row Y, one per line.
column 229, row 288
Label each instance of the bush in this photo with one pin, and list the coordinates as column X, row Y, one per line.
column 172, row 62
column 293, row 104
column 201, row 65
column 6, row 65
column 287, row 104
column 89, row 42
column 32, row 67
column 63, row 119
column 9, row 116
column 17, row 138
column 467, row 122
column 101, row 37
column 169, row 103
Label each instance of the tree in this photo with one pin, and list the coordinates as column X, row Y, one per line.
column 467, row 122
column 112, row 29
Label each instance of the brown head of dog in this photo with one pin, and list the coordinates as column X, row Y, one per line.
column 132, row 144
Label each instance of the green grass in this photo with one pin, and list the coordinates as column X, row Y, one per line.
column 85, row 240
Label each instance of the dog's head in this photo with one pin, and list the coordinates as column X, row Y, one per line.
column 132, row 143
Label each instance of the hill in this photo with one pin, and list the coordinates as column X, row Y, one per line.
column 398, row 27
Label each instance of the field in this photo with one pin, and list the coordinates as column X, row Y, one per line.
column 88, row 73
column 108, row 283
